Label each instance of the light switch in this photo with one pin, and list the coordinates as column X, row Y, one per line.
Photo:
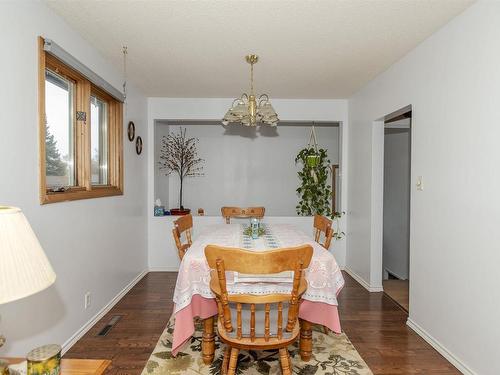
column 420, row 183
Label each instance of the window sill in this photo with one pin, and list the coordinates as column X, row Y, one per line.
column 77, row 194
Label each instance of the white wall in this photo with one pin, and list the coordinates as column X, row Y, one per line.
column 161, row 181
column 161, row 253
column 452, row 81
column 97, row 245
column 245, row 168
column 396, row 240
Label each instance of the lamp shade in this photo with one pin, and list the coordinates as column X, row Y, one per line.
column 24, row 267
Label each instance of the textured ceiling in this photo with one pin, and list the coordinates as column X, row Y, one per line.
column 307, row 49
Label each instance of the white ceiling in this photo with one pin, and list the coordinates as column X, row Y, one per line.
column 320, row 49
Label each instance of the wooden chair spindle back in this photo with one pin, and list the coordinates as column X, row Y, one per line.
column 239, row 212
column 323, row 225
column 183, row 224
column 258, row 263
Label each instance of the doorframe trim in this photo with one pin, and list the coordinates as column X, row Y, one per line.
column 377, row 197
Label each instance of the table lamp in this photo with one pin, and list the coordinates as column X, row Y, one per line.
column 24, row 267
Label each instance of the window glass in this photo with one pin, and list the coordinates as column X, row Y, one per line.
column 99, row 141
column 59, row 134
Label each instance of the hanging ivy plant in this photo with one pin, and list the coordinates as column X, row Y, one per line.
column 314, row 191
column 338, row 234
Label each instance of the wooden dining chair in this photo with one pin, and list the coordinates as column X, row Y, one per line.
column 246, row 321
column 183, row 224
column 239, row 212
column 323, row 225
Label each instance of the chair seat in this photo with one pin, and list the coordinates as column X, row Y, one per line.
column 259, row 342
column 215, row 288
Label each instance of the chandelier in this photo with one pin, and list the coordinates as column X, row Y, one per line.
column 250, row 110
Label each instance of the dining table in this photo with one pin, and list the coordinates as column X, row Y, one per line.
column 194, row 299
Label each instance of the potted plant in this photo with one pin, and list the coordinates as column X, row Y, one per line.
column 314, row 191
column 179, row 155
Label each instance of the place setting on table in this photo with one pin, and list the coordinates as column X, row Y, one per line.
column 266, row 290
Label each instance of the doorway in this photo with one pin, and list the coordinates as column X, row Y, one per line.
column 396, row 219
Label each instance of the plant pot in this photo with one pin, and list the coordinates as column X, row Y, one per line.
column 180, row 211
column 312, row 160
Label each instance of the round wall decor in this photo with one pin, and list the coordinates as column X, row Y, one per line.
column 138, row 145
column 131, row 131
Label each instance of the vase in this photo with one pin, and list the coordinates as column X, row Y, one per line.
column 312, row 160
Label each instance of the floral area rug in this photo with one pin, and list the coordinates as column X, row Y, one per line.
column 332, row 355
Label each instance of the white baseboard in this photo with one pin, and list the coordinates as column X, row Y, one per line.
column 362, row 281
column 87, row 326
column 462, row 367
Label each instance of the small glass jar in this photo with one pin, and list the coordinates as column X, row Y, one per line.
column 254, row 223
column 45, row 360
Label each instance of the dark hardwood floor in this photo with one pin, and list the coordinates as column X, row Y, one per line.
column 374, row 323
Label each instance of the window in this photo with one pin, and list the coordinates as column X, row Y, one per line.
column 98, row 141
column 59, row 132
column 80, row 135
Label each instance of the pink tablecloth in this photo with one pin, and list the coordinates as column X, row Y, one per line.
column 193, row 297
column 314, row 312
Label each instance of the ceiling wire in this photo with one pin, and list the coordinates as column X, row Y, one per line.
column 125, row 53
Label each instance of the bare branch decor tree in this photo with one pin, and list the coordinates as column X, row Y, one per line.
column 179, row 155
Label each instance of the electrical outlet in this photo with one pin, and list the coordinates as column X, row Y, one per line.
column 87, row 300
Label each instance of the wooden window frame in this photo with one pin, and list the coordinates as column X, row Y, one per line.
column 83, row 188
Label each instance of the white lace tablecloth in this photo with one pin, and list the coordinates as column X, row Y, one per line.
column 323, row 275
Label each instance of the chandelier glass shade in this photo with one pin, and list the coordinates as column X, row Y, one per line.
column 250, row 110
